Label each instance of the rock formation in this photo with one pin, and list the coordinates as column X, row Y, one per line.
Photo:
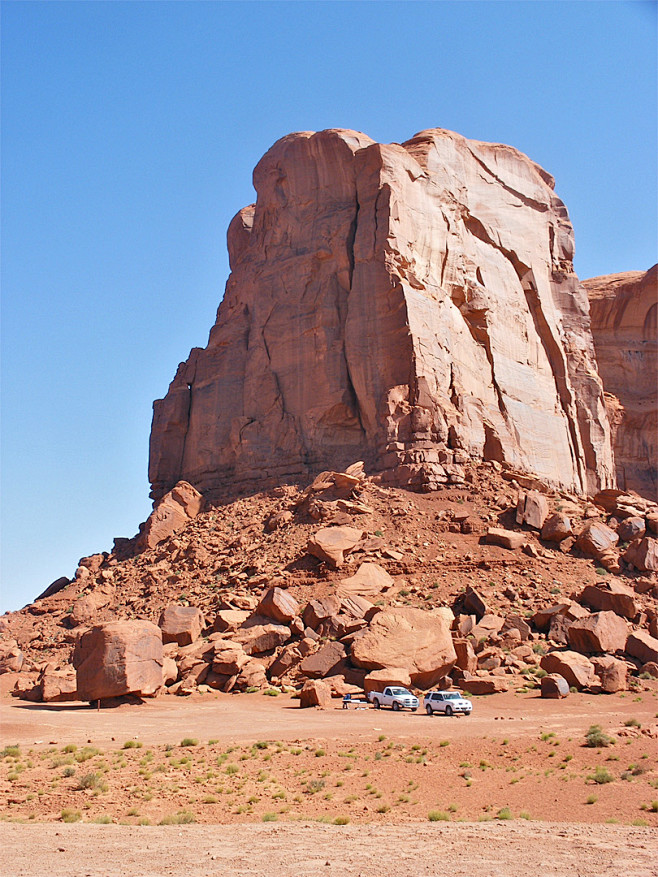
column 407, row 305
column 624, row 309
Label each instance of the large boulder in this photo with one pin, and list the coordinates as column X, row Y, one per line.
column 171, row 513
column 368, row 581
column 506, row 538
column 612, row 673
column 554, row 686
column 331, row 544
column 598, row 541
column 641, row 645
column 315, row 692
column 486, row 685
column 377, row 680
column 411, row 639
column 556, row 528
column 531, row 509
column 57, row 686
column 278, row 605
column 600, row 632
column 118, row 658
column 576, row 669
column 11, row 656
column 389, row 303
column 612, row 597
column 325, row 662
column 181, row 624
column 258, row 635
column 643, row 554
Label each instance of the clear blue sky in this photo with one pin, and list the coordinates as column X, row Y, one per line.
column 129, row 134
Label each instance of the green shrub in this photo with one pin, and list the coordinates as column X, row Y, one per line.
column 438, row 816
column 183, row 817
column 70, row 815
column 189, row 741
column 270, row 817
column 133, row 744
column 341, row 820
column 596, row 738
column 504, row 813
column 601, row 776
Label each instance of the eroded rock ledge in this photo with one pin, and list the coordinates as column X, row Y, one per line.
column 409, row 305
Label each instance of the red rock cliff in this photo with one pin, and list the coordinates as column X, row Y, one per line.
column 407, row 305
column 624, row 311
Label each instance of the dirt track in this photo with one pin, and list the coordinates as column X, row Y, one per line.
column 307, row 850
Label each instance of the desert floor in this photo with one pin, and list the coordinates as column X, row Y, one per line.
column 251, row 785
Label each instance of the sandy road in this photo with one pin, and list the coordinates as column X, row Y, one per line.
column 310, row 850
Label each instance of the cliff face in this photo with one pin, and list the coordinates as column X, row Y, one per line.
column 407, row 305
column 624, row 309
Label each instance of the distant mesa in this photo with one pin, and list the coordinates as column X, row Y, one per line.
column 413, row 306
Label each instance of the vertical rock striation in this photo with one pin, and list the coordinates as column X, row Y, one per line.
column 409, row 305
column 624, row 310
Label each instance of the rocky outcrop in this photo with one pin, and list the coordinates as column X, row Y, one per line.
column 624, row 309
column 407, row 305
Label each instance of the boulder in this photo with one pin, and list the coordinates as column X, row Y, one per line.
column 368, row 581
column 118, row 658
column 86, row 609
column 169, row 671
column 181, row 624
column 252, row 675
column 228, row 620
column 506, row 538
column 11, row 656
column 531, row 509
column 315, row 693
column 612, row 673
column 258, row 635
column 377, row 680
column 331, row 544
column 556, row 528
column 473, row 603
column 643, row 554
column 515, row 622
column 228, row 658
column 466, row 324
column 319, row 611
column 324, row 662
column 172, row 512
column 356, row 607
column 598, row 541
column 410, row 639
column 486, row 626
column 641, row 645
column 631, row 528
column 651, row 667
column 611, row 597
column 279, row 605
column 466, row 657
column 600, row 632
column 487, row 685
column 554, row 686
column 576, row 669
column 570, row 609
column 57, row 686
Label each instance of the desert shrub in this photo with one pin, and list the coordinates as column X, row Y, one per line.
column 183, row 817
column 189, row 741
column 341, row 820
column 132, row 744
column 104, row 819
column 89, row 781
column 504, row 813
column 270, row 817
column 70, row 815
column 438, row 816
column 596, row 738
column 601, row 776
column 632, row 723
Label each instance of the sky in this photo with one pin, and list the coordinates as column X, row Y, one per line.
column 129, row 134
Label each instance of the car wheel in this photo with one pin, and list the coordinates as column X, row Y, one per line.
column 467, row 714
column 396, row 705
column 429, row 710
column 448, row 710
column 377, row 704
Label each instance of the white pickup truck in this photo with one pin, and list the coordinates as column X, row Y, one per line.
column 395, row 697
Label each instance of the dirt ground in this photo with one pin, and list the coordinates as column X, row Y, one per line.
column 493, row 849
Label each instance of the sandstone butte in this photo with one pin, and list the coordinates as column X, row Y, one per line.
column 409, row 305
column 624, row 310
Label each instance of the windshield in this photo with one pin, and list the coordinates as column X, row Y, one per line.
column 398, row 691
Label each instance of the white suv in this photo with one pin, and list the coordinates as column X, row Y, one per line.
column 447, row 702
